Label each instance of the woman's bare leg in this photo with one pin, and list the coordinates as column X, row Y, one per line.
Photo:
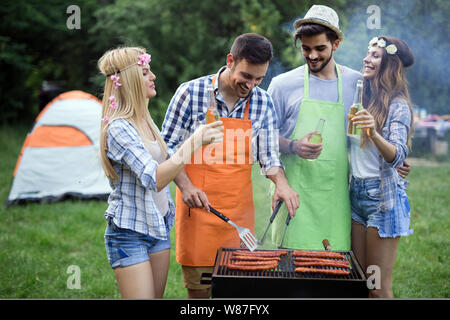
column 136, row 281
column 359, row 243
column 160, row 267
column 382, row 253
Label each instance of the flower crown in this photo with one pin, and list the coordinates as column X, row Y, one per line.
column 143, row 59
column 381, row 43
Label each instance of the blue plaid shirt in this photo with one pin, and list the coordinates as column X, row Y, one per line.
column 395, row 131
column 131, row 204
column 188, row 107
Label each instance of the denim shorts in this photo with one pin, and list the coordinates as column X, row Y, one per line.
column 125, row 247
column 365, row 198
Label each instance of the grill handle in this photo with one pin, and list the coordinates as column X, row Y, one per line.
column 206, row 278
column 220, row 215
column 326, row 244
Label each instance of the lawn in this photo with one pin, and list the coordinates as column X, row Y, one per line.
column 39, row 242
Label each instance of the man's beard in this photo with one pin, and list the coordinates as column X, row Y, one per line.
column 322, row 66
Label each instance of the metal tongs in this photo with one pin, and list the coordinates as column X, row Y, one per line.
column 288, row 219
column 278, row 206
column 245, row 234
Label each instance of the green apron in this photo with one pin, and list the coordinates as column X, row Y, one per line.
column 322, row 185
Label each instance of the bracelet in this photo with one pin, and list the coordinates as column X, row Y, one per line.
column 291, row 144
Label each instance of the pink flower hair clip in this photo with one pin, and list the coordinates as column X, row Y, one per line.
column 144, row 59
column 113, row 104
column 115, row 79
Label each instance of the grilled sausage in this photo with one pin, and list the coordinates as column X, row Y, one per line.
column 252, row 268
column 323, row 271
column 305, row 259
column 244, row 257
column 275, row 253
column 317, row 254
column 253, row 263
column 330, row 263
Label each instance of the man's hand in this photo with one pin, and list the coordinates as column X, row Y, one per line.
column 289, row 196
column 404, row 170
column 283, row 191
column 192, row 196
column 195, row 198
column 303, row 148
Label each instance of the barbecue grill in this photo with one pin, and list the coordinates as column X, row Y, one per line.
column 283, row 281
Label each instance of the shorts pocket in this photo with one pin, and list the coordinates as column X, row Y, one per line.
column 373, row 194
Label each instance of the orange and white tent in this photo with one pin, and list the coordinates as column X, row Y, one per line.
column 60, row 156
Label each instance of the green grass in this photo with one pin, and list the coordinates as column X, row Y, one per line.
column 38, row 242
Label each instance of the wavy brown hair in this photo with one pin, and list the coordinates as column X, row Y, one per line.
column 388, row 84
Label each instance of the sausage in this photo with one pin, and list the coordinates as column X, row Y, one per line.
column 304, row 259
column 317, row 254
column 275, row 253
column 244, row 257
column 252, row 268
column 323, row 271
column 253, row 263
column 329, row 263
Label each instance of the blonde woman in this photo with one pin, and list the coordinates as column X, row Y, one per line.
column 379, row 204
column 135, row 158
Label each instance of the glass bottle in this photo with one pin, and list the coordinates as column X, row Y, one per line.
column 212, row 114
column 356, row 106
column 317, row 137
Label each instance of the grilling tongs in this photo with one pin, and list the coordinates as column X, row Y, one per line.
column 278, row 206
column 245, row 234
column 288, row 219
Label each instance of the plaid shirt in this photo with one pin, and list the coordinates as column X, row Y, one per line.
column 188, row 107
column 131, row 204
column 395, row 131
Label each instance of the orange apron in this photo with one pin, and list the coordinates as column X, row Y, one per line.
column 224, row 174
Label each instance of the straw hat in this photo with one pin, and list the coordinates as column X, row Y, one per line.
column 322, row 15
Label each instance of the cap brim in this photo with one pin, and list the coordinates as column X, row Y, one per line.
column 300, row 22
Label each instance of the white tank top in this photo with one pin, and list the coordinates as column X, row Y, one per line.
column 365, row 162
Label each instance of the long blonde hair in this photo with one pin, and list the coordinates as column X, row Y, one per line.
column 130, row 96
column 388, row 84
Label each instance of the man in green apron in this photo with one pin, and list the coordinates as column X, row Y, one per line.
column 318, row 172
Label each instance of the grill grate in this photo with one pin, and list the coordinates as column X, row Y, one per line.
column 283, row 281
column 286, row 268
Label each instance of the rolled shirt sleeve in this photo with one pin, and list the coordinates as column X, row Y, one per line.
column 399, row 127
column 267, row 140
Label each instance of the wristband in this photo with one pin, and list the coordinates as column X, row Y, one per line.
column 291, row 145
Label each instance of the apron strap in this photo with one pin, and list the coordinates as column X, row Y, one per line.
column 247, row 106
column 306, row 83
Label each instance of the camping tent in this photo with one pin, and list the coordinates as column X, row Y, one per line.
column 60, row 156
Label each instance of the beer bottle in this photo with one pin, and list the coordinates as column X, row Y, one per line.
column 211, row 113
column 317, row 137
column 356, row 106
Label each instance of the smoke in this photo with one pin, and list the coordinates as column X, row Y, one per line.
column 422, row 24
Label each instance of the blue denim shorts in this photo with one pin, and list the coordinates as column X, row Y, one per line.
column 365, row 198
column 125, row 247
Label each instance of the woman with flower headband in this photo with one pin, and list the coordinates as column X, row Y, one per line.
column 379, row 204
column 135, row 158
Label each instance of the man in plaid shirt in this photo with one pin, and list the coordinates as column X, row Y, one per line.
column 242, row 105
